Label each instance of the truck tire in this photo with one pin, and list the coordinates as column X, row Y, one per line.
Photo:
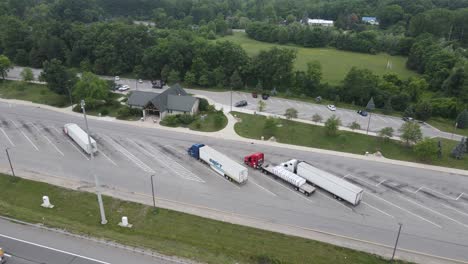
column 307, row 194
column 295, row 188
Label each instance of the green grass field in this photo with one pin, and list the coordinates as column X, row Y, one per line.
column 36, row 93
column 335, row 63
column 168, row 232
column 302, row 134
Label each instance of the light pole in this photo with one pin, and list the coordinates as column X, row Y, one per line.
column 152, row 190
column 370, row 106
column 231, row 98
column 368, row 123
column 69, row 94
column 96, row 181
column 136, row 84
column 396, row 242
column 9, row 160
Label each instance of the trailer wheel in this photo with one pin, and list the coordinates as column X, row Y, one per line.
column 334, row 196
column 307, row 194
column 339, row 199
column 295, row 188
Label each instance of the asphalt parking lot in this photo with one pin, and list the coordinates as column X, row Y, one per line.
column 428, row 207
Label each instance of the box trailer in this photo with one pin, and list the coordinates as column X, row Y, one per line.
column 220, row 163
column 80, row 137
column 256, row 161
column 340, row 188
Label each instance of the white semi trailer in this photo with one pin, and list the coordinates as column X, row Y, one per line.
column 220, row 163
column 340, row 188
column 80, row 137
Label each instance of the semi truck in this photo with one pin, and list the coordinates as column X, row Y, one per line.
column 256, row 161
column 338, row 187
column 80, row 137
column 219, row 162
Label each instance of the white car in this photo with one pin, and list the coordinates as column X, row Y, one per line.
column 331, row 107
column 124, row 88
column 140, row 81
column 117, row 78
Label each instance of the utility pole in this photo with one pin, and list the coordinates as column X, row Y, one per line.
column 9, row 160
column 96, row 181
column 370, row 106
column 231, row 98
column 152, row 190
column 396, row 242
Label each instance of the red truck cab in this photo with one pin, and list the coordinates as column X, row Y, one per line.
column 254, row 160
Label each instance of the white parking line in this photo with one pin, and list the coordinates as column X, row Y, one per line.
column 261, row 187
column 53, row 249
column 373, row 207
column 378, row 117
column 73, row 145
column 30, row 141
column 441, row 194
column 129, row 155
column 50, row 142
column 109, row 159
column 433, row 211
column 403, row 209
column 7, row 137
column 456, row 210
column 282, row 186
column 178, row 151
column 380, row 183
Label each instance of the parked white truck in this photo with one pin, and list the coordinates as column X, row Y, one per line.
column 256, row 161
column 80, row 137
column 220, row 163
column 340, row 188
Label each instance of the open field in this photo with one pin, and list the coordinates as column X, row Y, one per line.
column 168, row 232
column 302, row 134
column 447, row 125
column 37, row 93
column 335, row 63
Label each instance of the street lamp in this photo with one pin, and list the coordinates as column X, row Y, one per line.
column 96, row 181
column 9, row 160
column 231, row 98
column 152, row 190
column 396, row 242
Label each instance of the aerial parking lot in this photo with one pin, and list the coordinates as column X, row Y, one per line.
column 431, row 205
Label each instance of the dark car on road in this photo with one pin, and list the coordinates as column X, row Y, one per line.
column 408, row 119
column 265, row 96
column 362, row 112
column 254, row 95
column 241, row 103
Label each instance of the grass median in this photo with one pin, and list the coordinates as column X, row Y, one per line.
column 36, row 93
column 168, row 232
column 302, row 134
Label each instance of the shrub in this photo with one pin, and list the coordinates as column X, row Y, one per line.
column 317, row 118
column 185, row 119
column 462, row 119
column 331, row 125
column 411, row 132
column 426, row 149
column 170, row 120
column 203, row 105
column 290, row 113
column 104, row 111
column 386, row 133
column 354, row 125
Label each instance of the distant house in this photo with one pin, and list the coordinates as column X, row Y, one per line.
column 320, row 22
column 370, row 20
column 174, row 100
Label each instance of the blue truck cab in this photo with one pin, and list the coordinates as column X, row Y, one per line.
column 194, row 150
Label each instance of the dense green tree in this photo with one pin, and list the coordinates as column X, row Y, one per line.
column 274, row 67
column 236, row 81
column 390, row 14
column 462, row 119
column 27, row 75
column 410, row 132
column 59, row 79
column 359, row 85
column 91, row 88
column 423, row 110
column 5, row 66
column 173, row 77
column 426, row 149
column 190, row 78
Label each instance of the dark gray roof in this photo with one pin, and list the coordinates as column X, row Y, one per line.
column 160, row 101
column 182, row 103
column 140, row 98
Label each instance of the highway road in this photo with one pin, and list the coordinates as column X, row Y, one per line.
column 432, row 206
column 32, row 245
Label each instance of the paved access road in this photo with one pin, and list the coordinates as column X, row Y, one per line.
column 433, row 206
column 31, row 245
column 278, row 106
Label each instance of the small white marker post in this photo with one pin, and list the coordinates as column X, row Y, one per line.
column 125, row 223
column 46, row 202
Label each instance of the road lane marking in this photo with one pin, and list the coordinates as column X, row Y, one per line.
column 50, row 142
column 175, row 149
column 354, row 177
column 4, row 133
column 261, row 187
column 109, row 159
column 406, row 210
column 373, row 207
column 72, row 144
column 53, row 249
column 16, row 125
column 433, row 211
